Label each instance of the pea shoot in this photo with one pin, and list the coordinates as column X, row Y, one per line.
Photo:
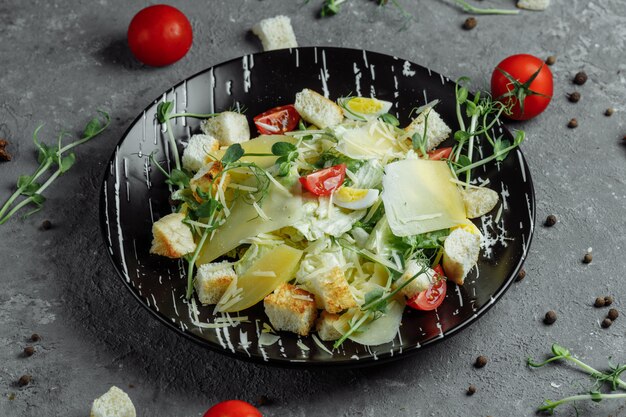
column 612, row 377
column 59, row 155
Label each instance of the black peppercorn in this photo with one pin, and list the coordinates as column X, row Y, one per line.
column 24, row 380
column 608, row 300
column 599, row 302
column 35, row 338
column 606, row 323
column 29, row 351
column 520, row 275
column 613, row 314
column 550, row 220
column 609, row 112
column 471, row 390
column 550, row 317
column 551, row 60
column 574, row 97
column 580, row 78
column 470, row 23
column 572, row 124
column 46, row 225
column 481, row 361
column 587, row 258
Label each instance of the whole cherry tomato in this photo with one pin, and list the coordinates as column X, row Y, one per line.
column 523, row 82
column 233, row 408
column 159, row 35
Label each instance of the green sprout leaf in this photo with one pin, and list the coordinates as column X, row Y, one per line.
column 283, row 148
column 178, row 178
column 67, row 162
column 163, row 111
column 559, row 350
column 389, row 119
column 232, row 154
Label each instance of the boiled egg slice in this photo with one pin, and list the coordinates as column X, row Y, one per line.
column 355, row 198
column 364, row 108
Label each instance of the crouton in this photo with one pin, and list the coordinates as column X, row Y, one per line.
column 275, row 33
column 291, row 309
column 325, row 326
column 479, row 201
column 332, row 292
column 171, row 237
column 420, row 283
column 460, row 254
column 208, row 180
column 196, row 154
column 227, row 127
column 317, row 109
column 212, row 280
column 533, row 4
column 114, row 403
column 436, row 129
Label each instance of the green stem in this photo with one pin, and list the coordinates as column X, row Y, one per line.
column 484, row 161
column 172, row 140
column 593, row 372
column 477, row 10
column 194, row 115
column 352, row 329
column 550, row 406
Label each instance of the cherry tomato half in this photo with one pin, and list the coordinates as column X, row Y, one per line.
column 324, row 181
column 278, row 120
column 233, row 408
column 441, row 153
column 159, row 35
column 523, row 82
column 432, row 297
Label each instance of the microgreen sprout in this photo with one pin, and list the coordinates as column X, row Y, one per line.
column 612, row 378
column 484, row 113
column 468, row 8
column 28, row 185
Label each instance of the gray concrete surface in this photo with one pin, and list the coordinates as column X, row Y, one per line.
column 61, row 60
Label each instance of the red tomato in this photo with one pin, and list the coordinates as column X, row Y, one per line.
column 523, row 82
column 233, row 408
column 159, row 35
column 432, row 297
column 277, row 120
column 441, row 153
column 324, row 181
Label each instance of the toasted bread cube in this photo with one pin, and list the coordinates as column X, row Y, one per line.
column 317, row 109
column 212, row 280
column 291, row 309
column 479, row 201
column 227, row 127
column 332, row 292
column 460, row 254
column 436, row 129
column 325, row 326
column 196, row 154
column 420, row 283
column 275, row 33
column 208, row 180
column 171, row 237
column 533, row 4
column 114, row 403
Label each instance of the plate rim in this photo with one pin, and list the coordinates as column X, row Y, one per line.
column 301, row 364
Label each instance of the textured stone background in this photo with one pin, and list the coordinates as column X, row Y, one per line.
column 61, row 60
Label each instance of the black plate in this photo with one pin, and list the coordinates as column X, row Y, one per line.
column 134, row 195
